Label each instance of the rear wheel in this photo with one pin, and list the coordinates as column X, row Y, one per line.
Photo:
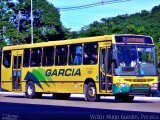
column 90, row 92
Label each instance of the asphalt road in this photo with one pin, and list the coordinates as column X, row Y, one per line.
column 17, row 107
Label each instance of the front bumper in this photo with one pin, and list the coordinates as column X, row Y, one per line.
column 133, row 90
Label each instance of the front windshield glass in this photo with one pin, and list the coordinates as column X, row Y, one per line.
column 135, row 60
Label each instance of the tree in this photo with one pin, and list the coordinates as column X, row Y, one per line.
column 5, row 15
column 47, row 24
column 144, row 13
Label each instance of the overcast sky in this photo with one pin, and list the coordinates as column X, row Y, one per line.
column 76, row 19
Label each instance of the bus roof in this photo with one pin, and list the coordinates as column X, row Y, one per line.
column 69, row 41
column 60, row 42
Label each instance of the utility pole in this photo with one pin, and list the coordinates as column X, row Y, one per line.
column 18, row 28
column 18, row 21
column 31, row 23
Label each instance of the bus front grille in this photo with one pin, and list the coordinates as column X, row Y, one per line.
column 139, row 92
column 139, row 85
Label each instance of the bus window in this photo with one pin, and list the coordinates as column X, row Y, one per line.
column 48, row 56
column 90, row 53
column 61, row 55
column 75, row 54
column 36, row 57
column 26, row 57
column 7, row 58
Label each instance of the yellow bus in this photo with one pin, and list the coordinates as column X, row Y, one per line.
column 119, row 65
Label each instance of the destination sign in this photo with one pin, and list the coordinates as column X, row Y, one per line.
column 133, row 39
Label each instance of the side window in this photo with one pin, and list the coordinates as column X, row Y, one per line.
column 36, row 57
column 75, row 54
column 7, row 58
column 26, row 57
column 61, row 55
column 48, row 56
column 90, row 53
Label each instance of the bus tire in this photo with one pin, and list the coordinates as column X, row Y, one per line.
column 30, row 90
column 90, row 92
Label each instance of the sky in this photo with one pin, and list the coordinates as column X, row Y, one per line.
column 76, row 19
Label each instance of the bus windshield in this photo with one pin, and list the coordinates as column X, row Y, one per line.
column 135, row 60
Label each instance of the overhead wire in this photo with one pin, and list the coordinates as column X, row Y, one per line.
column 92, row 5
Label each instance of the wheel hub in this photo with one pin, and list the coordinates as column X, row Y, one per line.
column 91, row 91
column 30, row 90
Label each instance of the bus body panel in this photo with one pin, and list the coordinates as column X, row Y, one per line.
column 72, row 78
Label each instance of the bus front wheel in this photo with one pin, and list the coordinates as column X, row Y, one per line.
column 90, row 92
column 30, row 90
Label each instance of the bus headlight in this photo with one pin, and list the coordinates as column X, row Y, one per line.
column 154, row 86
column 122, row 85
column 126, row 85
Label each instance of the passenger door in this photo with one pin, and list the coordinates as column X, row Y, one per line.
column 16, row 71
column 105, row 77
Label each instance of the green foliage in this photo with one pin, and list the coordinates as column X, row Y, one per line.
column 15, row 22
column 145, row 23
column 46, row 21
column 5, row 15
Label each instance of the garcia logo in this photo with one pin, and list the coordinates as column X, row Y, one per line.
column 63, row 72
